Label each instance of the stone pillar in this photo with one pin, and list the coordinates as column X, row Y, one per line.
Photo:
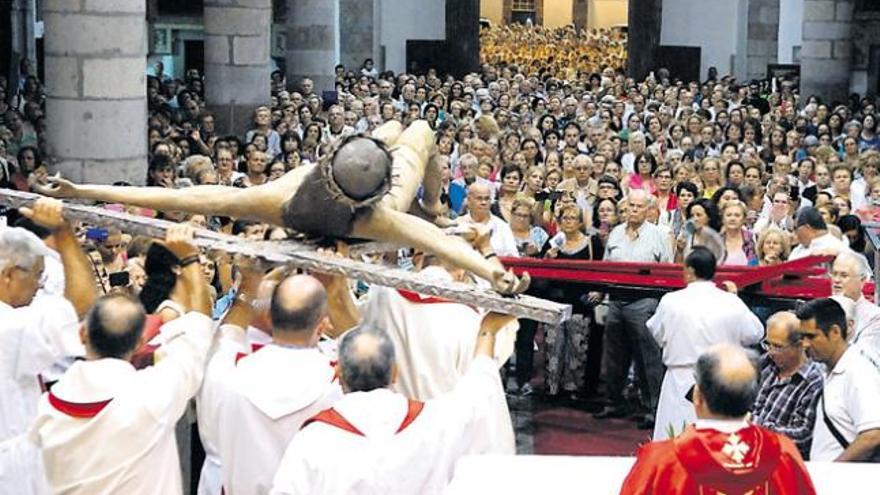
column 644, row 18
column 463, row 36
column 96, row 104
column 763, row 37
column 826, row 49
column 237, row 69
column 580, row 13
column 312, row 37
column 356, row 32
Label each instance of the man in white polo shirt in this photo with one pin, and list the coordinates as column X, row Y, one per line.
column 848, row 414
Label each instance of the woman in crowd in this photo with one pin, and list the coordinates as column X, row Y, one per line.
column 710, row 176
column 566, row 343
column 734, row 175
column 773, row 247
column 701, row 229
column 530, row 239
column 511, row 181
column 739, row 245
column 643, row 177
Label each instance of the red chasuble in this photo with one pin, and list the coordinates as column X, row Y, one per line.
column 751, row 461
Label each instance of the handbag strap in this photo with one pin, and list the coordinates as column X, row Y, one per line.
column 830, row 424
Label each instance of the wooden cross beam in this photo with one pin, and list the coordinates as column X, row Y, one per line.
column 302, row 255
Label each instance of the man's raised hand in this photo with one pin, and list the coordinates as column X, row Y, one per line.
column 46, row 212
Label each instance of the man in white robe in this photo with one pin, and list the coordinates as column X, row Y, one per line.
column 250, row 305
column 108, row 428
column 688, row 322
column 433, row 340
column 849, row 273
column 265, row 396
column 35, row 332
column 375, row 440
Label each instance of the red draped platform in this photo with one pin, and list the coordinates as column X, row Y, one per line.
column 806, row 278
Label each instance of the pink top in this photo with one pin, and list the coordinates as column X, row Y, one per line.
column 636, row 182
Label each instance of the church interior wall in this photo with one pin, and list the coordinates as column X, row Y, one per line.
column 557, row 13
column 493, row 10
column 715, row 26
column 409, row 20
column 607, row 13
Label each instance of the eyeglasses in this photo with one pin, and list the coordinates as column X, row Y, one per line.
column 774, row 348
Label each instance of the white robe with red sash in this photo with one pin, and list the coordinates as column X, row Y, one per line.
column 32, row 338
column 261, row 400
column 434, row 344
column 107, row 428
column 379, row 442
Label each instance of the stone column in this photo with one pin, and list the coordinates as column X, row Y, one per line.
column 96, row 104
column 312, row 38
column 237, row 68
column 463, row 36
column 826, row 49
column 580, row 13
column 645, row 18
column 763, row 37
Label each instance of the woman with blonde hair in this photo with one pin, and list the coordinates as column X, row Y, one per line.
column 773, row 247
column 739, row 243
column 710, row 176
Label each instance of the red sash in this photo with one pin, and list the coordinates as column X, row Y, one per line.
column 333, row 418
column 415, row 297
column 254, row 348
column 83, row 410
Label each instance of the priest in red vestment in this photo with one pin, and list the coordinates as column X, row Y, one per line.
column 722, row 453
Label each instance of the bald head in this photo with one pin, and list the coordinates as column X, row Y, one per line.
column 366, row 358
column 360, row 168
column 299, row 303
column 728, row 381
column 114, row 326
column 785, row 326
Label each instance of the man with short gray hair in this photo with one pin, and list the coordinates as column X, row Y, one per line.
column 35, row 332
column 790, row 383
column 374, row 440
column 849, row 273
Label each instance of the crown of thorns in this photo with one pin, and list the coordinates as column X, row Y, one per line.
column 325, row 164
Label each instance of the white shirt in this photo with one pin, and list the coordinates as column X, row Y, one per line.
column 867, row 325
column 228, row 344
column 434, row 345
column 328, row 460
column 690, row 320
column 852, row 401
column 52, row 281
column 265, row 397
column 31, row 339
column 502, row 240
column 821, row 243
column 129, row 446
column 651, row 245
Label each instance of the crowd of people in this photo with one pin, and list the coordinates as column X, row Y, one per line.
column 554, row 158
column 560, row 52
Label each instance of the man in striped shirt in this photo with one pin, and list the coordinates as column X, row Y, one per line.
column 791, row 383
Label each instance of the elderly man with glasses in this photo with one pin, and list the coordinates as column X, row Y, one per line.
column 790, row 383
